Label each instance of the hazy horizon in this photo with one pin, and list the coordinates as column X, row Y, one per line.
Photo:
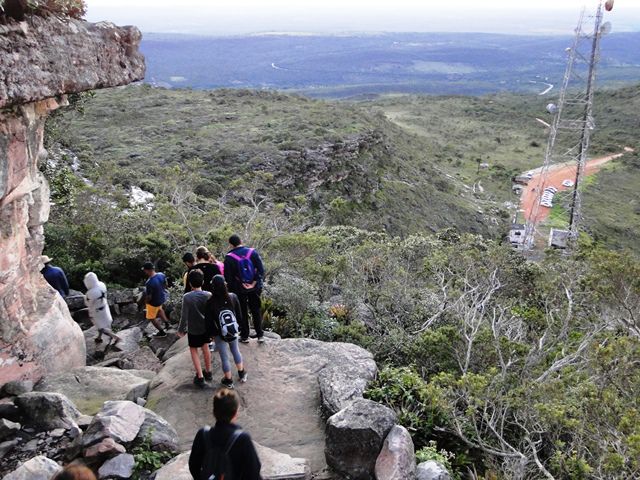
column 246, row 17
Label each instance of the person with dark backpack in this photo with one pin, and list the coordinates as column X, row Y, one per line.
column 223, row 317
column 224, row 452
column 244, row 273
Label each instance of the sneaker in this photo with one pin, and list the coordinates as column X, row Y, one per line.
column 98, row 340
column 208, row 376
column 160, row 334
column 198, row 381
column 212, row 347
column 244, row 340
column 242, row 374
column 260, row 339
column 227, row 382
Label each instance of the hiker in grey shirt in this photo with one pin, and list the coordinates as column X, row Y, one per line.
column 193, row 324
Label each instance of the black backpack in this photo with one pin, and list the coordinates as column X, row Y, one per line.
column 217, row 464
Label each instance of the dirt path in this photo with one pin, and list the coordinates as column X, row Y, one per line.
column 531, row 193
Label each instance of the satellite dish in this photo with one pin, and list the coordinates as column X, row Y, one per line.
column 552, row 108
column 606, row 28
column 608, row 5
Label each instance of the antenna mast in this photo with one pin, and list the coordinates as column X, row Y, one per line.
column 570, row 131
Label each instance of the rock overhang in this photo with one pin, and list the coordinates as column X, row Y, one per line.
column 46, row 57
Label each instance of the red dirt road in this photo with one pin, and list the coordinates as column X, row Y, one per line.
column 532, row 193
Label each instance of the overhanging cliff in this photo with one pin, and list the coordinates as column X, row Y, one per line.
column 41, row 60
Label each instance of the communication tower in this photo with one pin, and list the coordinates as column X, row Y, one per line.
column 572, row 125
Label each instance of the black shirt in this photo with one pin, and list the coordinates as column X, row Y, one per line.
column 209, row 270
column 243, row 455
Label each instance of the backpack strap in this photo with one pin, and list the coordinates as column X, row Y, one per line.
column 234, row 436
column 237, row 258
column 249, row 253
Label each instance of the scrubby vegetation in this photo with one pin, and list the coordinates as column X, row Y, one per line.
column 500, row 367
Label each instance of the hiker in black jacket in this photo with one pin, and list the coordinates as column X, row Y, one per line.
column 240, row 263
column 226, row 443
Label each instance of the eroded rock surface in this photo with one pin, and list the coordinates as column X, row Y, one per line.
column 41, row 60
column 90, row 387
column 280, row 403
column 397, row 459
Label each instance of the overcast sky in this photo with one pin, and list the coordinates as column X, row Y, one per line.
column 233, row 17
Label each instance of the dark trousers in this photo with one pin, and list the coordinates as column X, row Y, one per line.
column 250, row 301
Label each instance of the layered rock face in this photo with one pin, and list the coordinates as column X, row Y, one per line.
column 40, row 61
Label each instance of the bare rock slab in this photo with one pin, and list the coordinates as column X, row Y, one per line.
column 280, row 403
column 275, row 466
column 397, row 458
column 280, row 466
column 38, row 468
column 341, row 384
column 90, row 387
column 355, row 436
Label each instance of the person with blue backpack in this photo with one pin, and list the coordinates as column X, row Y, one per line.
column 244, row 273
column 223, row 315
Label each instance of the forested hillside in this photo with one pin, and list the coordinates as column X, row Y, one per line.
column 374, row 231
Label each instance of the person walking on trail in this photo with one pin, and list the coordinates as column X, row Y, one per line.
column 224, row 451
column 96, row 301
column 203, row 262
column 189, row 261
column 223, row 315
column 155, row 296
column 244, row 273
column 55, row 277
column 192, row 322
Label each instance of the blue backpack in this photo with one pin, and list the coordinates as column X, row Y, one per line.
column 246, row 269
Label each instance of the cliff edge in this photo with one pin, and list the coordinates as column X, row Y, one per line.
column 41, row 60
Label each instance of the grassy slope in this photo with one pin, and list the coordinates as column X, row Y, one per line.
column 501, row 130
column 128, row 135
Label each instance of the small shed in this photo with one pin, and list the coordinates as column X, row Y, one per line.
column 517, row 235
column 559, row 238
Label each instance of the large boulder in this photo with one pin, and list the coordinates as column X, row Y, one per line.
column 341, row 384
column 119, row 420
column 397, row 458
column 17, row 387
column 355, row 436
column 160, row 434
column 38, row 468
column 432, row 470
column 90, row 387
column 47, row 410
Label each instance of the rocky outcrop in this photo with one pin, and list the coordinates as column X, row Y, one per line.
column 46, row 410
column 355, row 436
column 281, row 402
column 41, row 60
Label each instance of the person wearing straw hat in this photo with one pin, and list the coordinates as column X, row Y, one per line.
column 55, row 276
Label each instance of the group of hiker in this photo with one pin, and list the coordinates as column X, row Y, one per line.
column 218, row 299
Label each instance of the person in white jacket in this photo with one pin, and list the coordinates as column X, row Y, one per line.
column 96, row 300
